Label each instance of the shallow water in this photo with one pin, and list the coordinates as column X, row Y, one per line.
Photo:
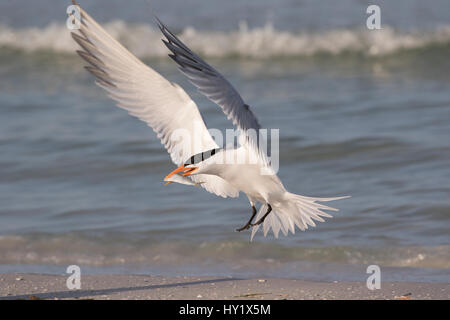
column 81, row 181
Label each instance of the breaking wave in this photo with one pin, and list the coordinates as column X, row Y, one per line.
column 262, row 42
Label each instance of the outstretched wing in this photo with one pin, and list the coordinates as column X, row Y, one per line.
column 215, row 87
column 144, row 93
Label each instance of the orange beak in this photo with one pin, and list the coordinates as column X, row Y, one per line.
column 181, row 168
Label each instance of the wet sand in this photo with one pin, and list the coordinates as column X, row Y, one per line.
column 38, row 286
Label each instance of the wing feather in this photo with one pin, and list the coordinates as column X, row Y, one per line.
column 144, row 93
column 214, row 86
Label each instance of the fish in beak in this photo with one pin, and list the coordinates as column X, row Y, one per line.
column 182, row 180
column 183, row 170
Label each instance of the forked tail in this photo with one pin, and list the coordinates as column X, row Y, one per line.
column 295, row 210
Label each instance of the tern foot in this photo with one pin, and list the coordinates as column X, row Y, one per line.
column 257, row 223
column 249, row 223
column 246, row 227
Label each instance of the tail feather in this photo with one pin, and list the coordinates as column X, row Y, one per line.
column 295, row 210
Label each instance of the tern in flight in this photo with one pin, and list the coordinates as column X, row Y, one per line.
column 167, row 109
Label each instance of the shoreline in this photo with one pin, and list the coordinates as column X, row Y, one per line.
column 14, row 286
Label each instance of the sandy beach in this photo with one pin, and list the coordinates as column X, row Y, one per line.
column 105, row 287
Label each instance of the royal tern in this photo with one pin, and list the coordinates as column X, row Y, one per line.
column 167, row 109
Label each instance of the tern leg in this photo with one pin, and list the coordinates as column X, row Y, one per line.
column 249, row 223
column 263, row 218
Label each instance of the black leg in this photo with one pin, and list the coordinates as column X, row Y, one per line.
column 249, row 223
column 263, row 218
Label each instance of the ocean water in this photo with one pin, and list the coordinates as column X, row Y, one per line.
column 361, row 113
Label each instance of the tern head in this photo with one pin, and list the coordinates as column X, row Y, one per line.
column 196, row 164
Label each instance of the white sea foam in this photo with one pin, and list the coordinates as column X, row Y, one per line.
column 144, row 40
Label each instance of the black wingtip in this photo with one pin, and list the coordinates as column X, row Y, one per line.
column 158, row 22
column 174, row 58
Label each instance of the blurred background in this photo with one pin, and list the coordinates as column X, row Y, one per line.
column 361, row 112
